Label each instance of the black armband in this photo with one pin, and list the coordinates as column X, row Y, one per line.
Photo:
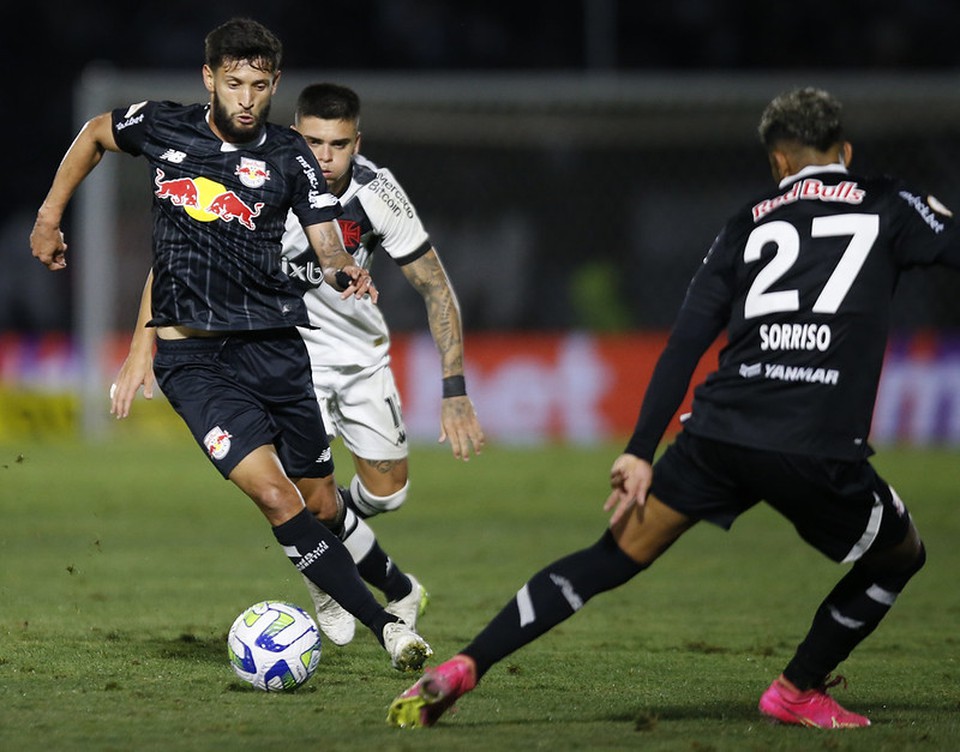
column 343, row 279
column 454, row 386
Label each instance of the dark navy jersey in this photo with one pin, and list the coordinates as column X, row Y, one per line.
column 218, row 217
column 803, row 280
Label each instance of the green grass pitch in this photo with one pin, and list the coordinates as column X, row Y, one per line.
column 122, row 565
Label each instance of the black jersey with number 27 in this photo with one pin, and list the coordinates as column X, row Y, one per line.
column 803, row 280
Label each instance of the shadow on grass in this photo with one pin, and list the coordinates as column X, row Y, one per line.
column 189, row 647
column 640, row 719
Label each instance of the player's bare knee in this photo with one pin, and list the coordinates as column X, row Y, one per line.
column 277, row 501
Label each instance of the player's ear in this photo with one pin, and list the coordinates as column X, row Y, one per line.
column 208, row 78
column 846, row 153
column 779, row 164
column 356, row 146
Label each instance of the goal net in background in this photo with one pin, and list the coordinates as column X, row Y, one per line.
column 558, row 203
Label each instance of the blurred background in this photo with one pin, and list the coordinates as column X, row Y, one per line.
column 572, row 161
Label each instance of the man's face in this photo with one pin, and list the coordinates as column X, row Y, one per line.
column 333, row 143
column 240, row 96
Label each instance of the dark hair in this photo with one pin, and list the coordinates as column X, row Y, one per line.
column 243, row 39
column 328, row 102
column 807, row 116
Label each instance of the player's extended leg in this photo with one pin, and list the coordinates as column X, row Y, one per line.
column 381, row 486
column 851, row 612
column 406, row 597
column 319, row 554
column 548, row 598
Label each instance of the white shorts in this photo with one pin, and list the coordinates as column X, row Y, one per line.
column 362, row 406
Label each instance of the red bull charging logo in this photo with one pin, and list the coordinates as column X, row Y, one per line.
column 217, row 442
column 206, row 200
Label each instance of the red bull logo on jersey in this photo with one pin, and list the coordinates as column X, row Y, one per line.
column 217, row 442
column 253, row 173
column 206, row 200
column 179, row 191
column 811, row 189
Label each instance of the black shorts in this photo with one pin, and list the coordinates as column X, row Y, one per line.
column 244, row 390
column 841, row 508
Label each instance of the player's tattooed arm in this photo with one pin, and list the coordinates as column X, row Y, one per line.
column 429, row 278
column 458, row 419
column 340, row 270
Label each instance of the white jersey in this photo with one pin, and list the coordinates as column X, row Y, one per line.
column 376, row 214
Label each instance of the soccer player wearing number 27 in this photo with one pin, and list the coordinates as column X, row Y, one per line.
column 802, row 279
column 230, row 358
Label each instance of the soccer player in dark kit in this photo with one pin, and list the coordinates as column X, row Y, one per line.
column 229, row 356
column 801, row 279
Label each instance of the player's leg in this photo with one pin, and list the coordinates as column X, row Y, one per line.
column 312, row 547
column 406, row 596
column 277, row 373
column 381, row 482
column 548, row 598
column 886, row 551
column 362, row 406
column 688, row 485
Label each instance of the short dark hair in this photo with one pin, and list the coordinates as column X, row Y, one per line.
column 242, row 39
column 807, row 116
column 328, row 102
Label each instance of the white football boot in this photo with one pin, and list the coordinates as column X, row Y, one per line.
column 408, row 650
column 411, row 606
column 336, row 623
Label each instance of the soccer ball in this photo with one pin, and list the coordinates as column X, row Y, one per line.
column 274, row 646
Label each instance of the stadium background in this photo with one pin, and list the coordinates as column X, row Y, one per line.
column 572, row 161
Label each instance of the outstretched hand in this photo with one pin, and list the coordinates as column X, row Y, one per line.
column 136, row 371
column 459, row 423
column 630, row 479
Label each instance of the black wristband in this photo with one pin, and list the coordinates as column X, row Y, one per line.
column 343, row 279
column 454, row 386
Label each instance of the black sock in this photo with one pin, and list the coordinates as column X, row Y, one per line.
column 849, row 614
column 320, row 555
column 549, row 597
column 379, row 570
column 376, row 568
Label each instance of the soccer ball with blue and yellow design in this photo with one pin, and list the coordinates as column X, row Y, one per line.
column 274, row 646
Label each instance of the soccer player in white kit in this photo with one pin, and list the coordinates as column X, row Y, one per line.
column 350, row 346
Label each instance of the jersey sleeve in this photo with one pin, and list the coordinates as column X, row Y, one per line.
column 394, row 218
column 928, row 231
column 703, row 315
column 131, row 125
column 312, row 202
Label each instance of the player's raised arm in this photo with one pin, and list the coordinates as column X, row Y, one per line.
column 46, row 239
column 458, row 419
column 340, row 271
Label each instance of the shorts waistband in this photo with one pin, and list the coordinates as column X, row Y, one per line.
column 217, row 341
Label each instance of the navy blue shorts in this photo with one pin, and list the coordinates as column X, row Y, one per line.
column 841, row 508
column 244, row 390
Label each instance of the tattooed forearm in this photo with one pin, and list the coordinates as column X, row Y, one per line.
column 427, row 275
